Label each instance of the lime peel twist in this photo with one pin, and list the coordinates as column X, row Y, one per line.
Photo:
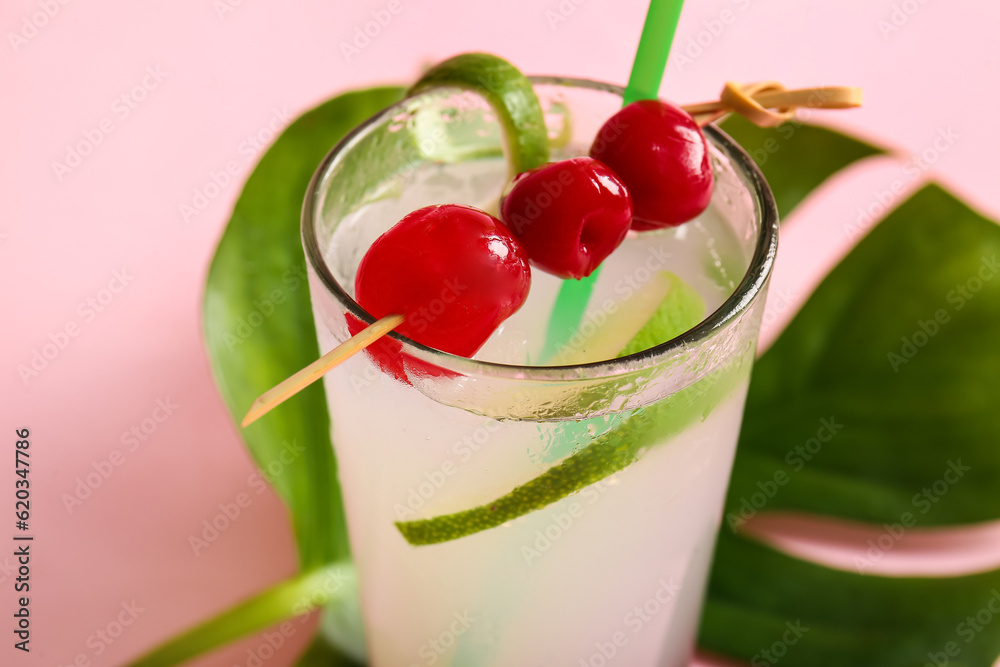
column 511, row 96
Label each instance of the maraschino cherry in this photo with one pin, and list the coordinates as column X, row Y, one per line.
column 454, row 272
column 569, row 215
column 661, row 155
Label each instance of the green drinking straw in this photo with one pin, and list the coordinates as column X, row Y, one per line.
column 643, row 83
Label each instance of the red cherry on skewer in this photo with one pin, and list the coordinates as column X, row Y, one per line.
column 569, row 215
column 661, row 155
column 454, row 272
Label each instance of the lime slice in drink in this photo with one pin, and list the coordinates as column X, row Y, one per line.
column 663, row 309
column 680, row 310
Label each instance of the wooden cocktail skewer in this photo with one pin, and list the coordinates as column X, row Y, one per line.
column 754, row 101
column 274, row 397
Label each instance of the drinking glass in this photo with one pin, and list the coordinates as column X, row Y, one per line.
column 570, row 512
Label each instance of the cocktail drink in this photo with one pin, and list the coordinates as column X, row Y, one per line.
column 543, row 503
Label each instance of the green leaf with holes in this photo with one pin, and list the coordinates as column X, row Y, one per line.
column 876, row 404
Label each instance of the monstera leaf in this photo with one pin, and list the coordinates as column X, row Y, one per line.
column 257, row 314
column 875, row 405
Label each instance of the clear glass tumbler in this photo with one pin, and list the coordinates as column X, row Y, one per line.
column 517, row 515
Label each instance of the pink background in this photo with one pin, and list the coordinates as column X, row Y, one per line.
column 227, row 70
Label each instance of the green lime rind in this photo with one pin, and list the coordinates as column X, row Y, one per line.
column 508, row 92
column 606, row 454
column 679, row 309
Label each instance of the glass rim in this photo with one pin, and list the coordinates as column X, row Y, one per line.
column 750, row 286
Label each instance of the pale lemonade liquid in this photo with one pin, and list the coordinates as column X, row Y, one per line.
column 613, row 574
